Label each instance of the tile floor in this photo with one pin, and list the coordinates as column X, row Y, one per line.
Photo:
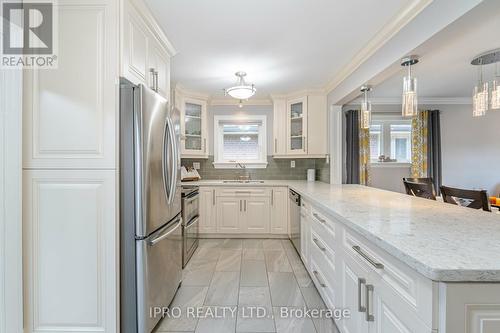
column 243, row 275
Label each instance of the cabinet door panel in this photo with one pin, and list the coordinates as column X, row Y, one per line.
column 257, row 215
column 228, row 214
column 159, row 60
column 194, row 128
column 208, row 216
column 297, row 126
column 353, row 296
column 279, row 211
column 70, row 238
column 70, row 112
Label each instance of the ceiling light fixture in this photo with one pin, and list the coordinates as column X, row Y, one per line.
column 410, row 97
column 480, row 97
column 366, row 108
column 241, row 90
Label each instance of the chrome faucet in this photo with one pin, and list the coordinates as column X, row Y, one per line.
column 243, row 167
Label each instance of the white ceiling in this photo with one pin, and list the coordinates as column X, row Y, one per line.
column 444, row 71
column 283, row 45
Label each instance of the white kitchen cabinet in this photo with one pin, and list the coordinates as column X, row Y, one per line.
column 69, row 113
column 279, row 127
column 229, row 215
column 279, row 210
column 208, row 212
column 353, row 284
column 300, row 126
column 70, row 267
column 194, row 128
column 297, row 126
column 146, row 51
column 257, row 215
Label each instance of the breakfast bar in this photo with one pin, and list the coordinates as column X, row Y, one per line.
column 399, row 262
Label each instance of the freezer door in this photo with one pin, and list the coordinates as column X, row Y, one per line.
column 155, row 162
column 159, row 272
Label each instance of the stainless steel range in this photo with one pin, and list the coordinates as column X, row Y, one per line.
column 190, row 224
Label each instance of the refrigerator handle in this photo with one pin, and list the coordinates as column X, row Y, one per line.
column 165, row 233
column 166, row 181
column 173, row 178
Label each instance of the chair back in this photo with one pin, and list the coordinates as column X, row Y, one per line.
column 477, row 199
column 420, row 187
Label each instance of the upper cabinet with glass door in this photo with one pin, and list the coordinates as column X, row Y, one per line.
column 194, row 128
column 297, row 126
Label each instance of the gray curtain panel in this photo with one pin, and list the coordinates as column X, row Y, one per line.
column 434, row 148
column 352, row 147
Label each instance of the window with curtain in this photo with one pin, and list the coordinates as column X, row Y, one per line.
column 390, row 136
column 240, row 140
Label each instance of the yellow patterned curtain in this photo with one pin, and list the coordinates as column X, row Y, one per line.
column 419, row 145
column 364, row 156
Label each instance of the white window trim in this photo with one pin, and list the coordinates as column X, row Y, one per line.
column 387, row 120
column 261, row 164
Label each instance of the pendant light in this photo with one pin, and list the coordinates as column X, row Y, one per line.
column 495, row 91
column 366, row 108
column 410, row 98
column 481, row 98
column 241, row 90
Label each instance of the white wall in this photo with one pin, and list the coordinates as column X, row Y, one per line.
column 470, row 148
column 250, row 110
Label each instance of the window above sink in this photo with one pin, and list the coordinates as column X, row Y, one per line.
column 240, row 142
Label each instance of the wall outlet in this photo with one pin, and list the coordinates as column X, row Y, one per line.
column 292, row 164
column 196, row 165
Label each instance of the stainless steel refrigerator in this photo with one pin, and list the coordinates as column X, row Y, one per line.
column 150, row 206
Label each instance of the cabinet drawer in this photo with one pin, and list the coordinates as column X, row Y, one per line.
column 414, row 290
column 323, row 284
column 323, row 254
column 243, row 192
column 324, row 226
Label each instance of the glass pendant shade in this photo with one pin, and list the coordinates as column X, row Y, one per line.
column 241, row 90
column 495, row 95
column 410, row 98
column 366, row 114
column 480, row 100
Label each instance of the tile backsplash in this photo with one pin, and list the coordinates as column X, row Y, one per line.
column 278, row 169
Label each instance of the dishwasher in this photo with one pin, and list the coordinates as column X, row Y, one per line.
column 295, row 219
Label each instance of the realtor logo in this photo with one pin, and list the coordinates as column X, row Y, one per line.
column 28, row 35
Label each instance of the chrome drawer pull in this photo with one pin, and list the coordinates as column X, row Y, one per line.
column 318, row 244
column 361, row 282
column 367, row 257
column 319, row 218
column 322, row 284
column 369, row 316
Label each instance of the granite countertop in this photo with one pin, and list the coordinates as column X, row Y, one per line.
column 441, row 241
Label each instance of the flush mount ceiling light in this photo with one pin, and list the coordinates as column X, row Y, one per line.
column 366, row 108
column 410, row 98
column 241, row 90
column 480, row 97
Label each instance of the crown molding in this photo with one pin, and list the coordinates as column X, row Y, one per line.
column 235, row 102
column 300, row 93
column 143, row 9
column 395, row 24
column 421, row 101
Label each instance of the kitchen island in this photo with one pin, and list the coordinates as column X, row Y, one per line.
column 400, row 263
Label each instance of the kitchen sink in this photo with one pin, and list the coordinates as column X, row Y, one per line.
column 243, row 181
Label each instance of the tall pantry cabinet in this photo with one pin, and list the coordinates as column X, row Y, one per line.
column 70, row 146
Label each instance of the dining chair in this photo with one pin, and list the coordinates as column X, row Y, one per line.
column 477, row 199
column 420, row 187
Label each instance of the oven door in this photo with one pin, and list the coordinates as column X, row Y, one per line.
column 190, row 206
column 190, row 236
